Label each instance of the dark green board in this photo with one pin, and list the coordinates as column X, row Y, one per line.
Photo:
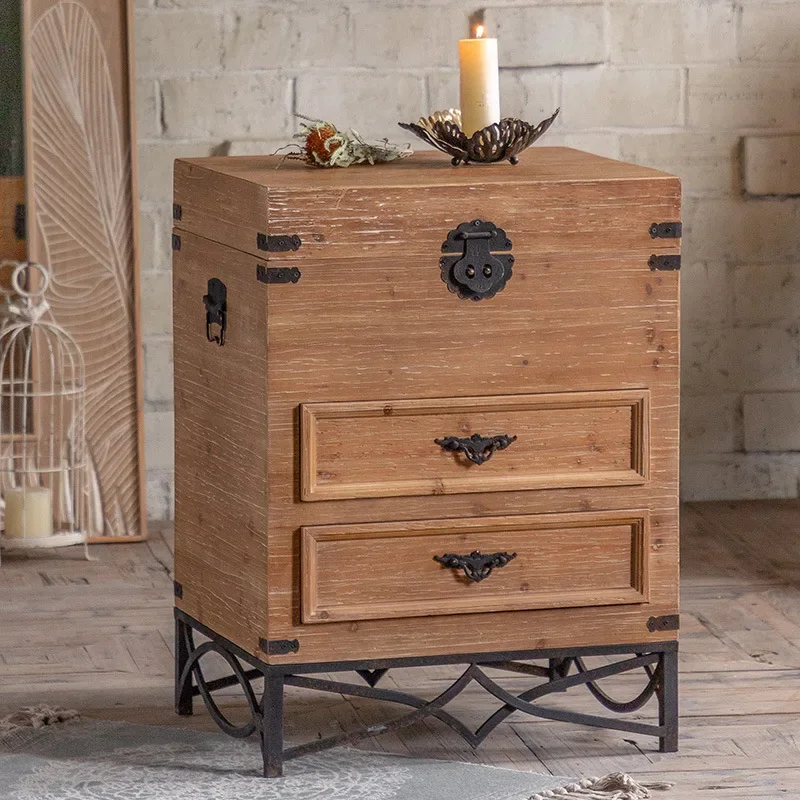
column 11, row 104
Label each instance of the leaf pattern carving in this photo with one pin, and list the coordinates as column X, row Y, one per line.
column 81, row 177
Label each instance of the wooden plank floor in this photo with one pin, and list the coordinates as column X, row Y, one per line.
column 98, row 637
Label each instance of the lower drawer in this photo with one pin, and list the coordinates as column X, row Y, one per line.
column 437, row 567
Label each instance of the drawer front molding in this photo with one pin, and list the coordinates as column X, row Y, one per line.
column 392, row 448
column 395, row 570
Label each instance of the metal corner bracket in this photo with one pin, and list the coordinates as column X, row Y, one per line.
column 669, row 622
column 277, row 274
column 278, row 243
column 670, row 263
column 279, row 647
column 666, row 230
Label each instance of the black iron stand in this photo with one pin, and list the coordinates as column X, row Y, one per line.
column 564, row 669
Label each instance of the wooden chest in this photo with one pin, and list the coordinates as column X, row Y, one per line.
column 420, row 363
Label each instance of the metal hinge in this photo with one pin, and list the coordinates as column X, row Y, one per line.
column 671, row 262
column 178, row 589
column 279, row 647
column 277, row 274
column 19, row 221
column 177, row 211
column 670, row 622
column 176, row 241
column 666, row 230
column 277, row 244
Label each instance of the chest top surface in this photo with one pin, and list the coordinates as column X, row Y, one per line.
column 541, row 165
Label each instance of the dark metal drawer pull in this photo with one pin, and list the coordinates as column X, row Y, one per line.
column 476, row 565
column 478, row 449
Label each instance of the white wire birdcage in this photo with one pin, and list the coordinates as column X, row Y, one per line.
column 42, row 421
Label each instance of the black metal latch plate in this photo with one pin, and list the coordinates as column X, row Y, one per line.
column 477, row 270
column 277, row 274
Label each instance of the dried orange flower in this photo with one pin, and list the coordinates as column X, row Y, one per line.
column 316, row 150
column 325, row 146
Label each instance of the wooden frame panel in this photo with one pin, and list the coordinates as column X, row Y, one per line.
column 387, row 452
column 82, row 222
column 387, row 571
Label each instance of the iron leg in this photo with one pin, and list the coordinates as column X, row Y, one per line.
column 559, row 668
column 183, row 691
column 668, row 702
column 272, row 723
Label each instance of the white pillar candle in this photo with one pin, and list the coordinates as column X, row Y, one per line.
column 29, row 512
column 480, row 82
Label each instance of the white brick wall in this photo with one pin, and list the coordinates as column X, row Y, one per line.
column 771, row 165
column 609, row 97
column 724, row 97
column 264, row 38
column 672, row 32
column 226, row 106
column 708, row 89
column 538, row 36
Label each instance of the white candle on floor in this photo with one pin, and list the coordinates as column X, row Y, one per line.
column 29, row 512
column 480, row 82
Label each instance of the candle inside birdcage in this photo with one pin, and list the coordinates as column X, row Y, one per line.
column 42, row 449
column 28, row 512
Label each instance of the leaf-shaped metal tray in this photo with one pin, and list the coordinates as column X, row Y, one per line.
column 501, row 141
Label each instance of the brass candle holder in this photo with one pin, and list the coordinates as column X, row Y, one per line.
column 501, row 141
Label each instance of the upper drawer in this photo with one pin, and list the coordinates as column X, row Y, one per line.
column 552, row 441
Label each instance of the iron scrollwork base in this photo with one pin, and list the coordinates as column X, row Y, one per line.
column 564, row 670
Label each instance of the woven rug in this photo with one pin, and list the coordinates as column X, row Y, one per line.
column 72, row 759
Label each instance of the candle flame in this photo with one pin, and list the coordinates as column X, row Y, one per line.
column 479, row 31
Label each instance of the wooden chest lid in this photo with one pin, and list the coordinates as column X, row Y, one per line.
column 540, row 165
column 240, row 200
